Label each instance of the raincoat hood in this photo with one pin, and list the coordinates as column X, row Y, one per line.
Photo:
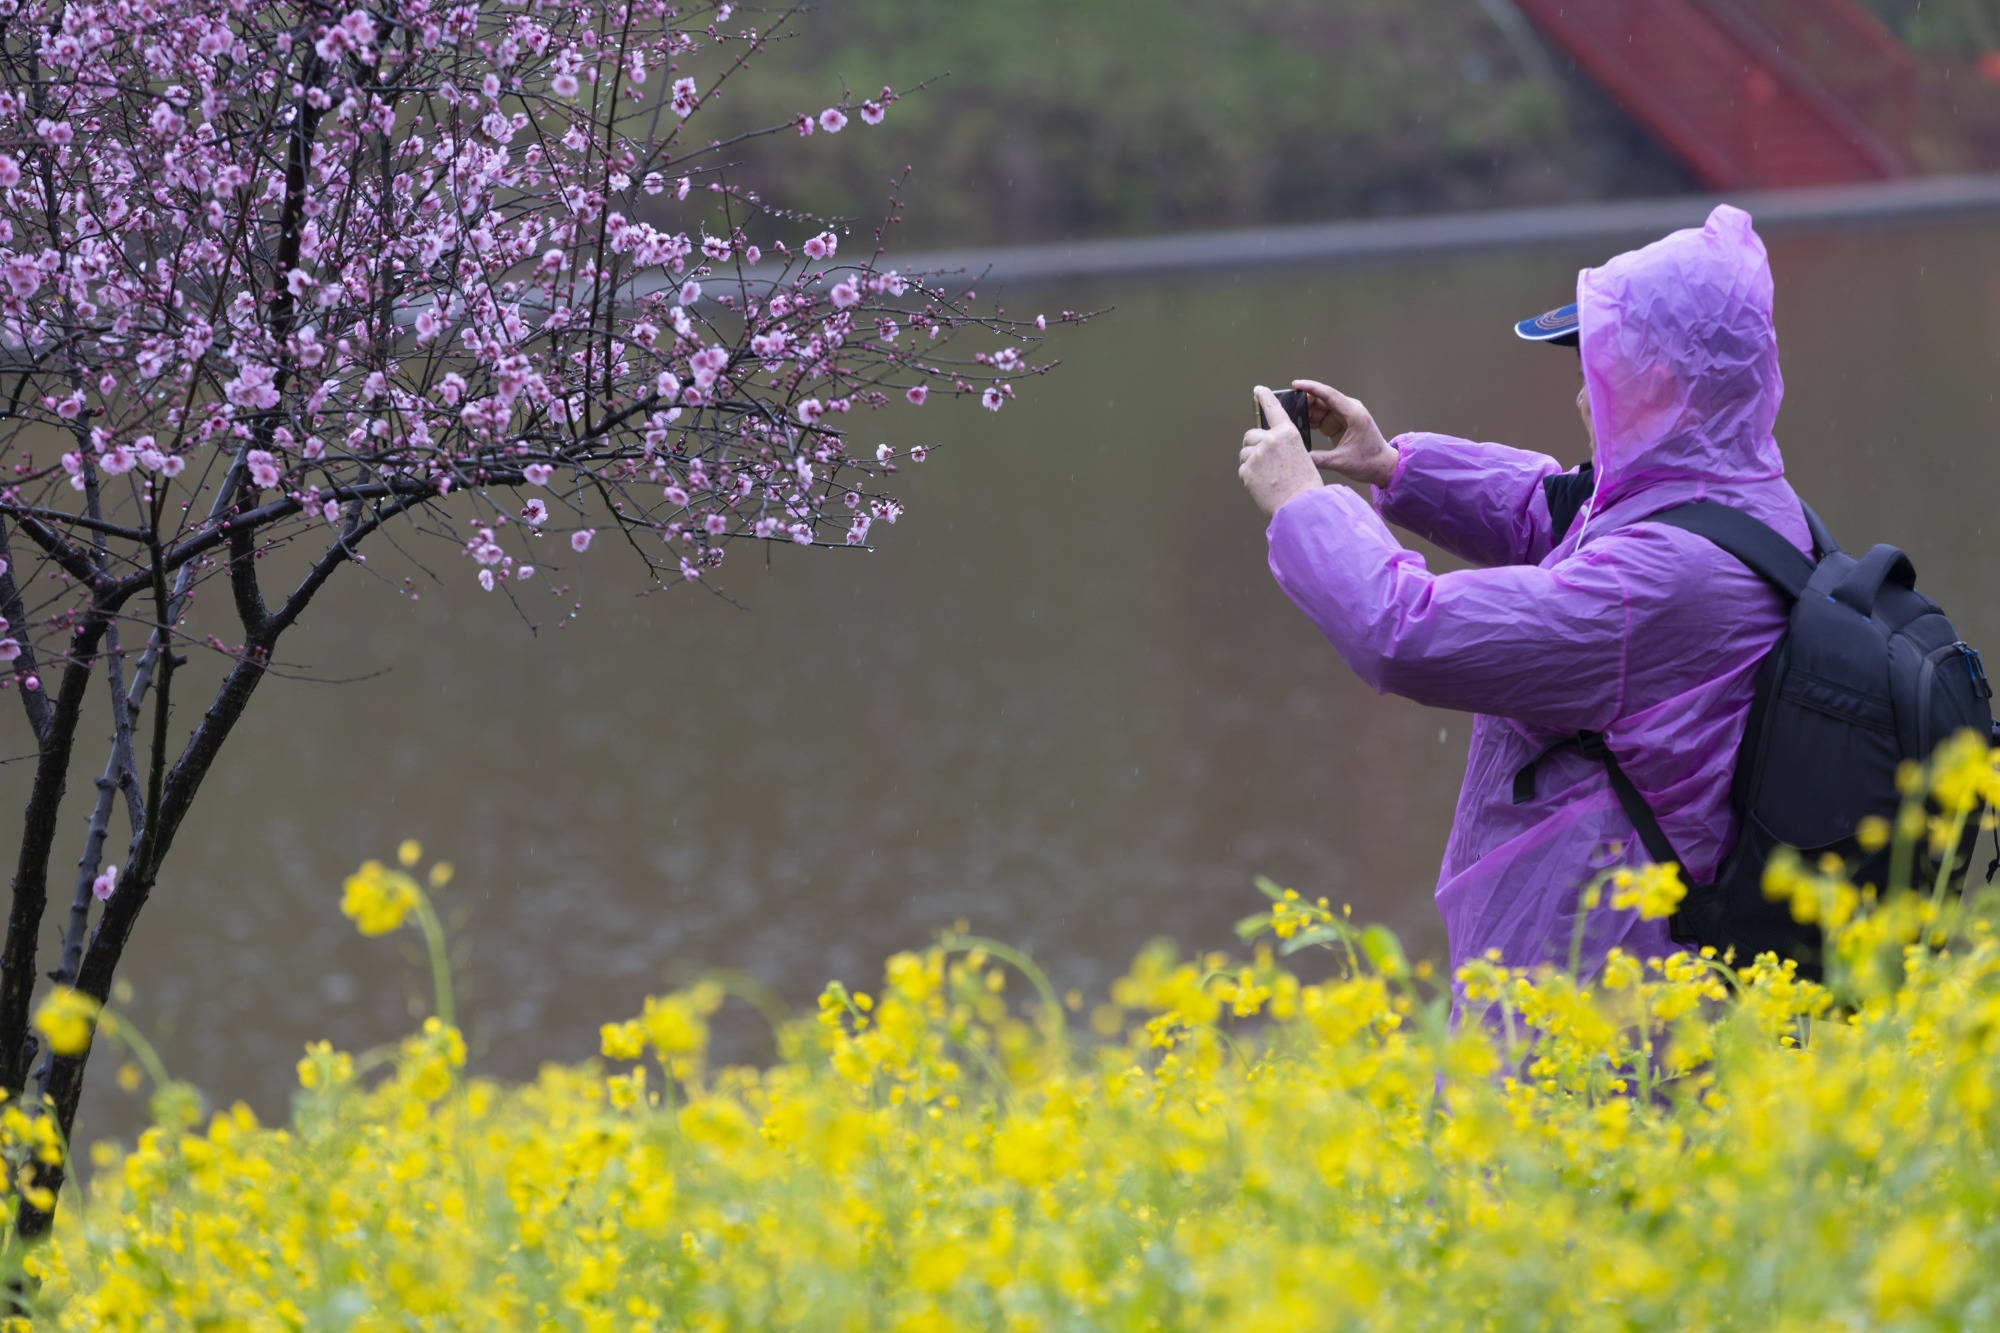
column 1681, row 359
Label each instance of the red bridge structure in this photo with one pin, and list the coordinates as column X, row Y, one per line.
column 1749, row 93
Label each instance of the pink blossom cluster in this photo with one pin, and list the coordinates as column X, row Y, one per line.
column 440, row 266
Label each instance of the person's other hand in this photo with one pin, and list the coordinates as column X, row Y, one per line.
column 1359, row 452
column 1273, row 462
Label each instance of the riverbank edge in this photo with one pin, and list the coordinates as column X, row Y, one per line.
column 1328, row 243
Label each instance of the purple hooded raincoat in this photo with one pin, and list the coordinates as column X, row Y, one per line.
column 1639, row 630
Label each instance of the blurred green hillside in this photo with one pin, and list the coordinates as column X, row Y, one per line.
column 1053, row 119
column 1063, row 118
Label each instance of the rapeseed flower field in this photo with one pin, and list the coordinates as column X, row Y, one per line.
column 1223, row 1143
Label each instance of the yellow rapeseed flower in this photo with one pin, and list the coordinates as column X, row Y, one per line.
column 377, row 898
column 66, row 1018
column 1604, row 1151
column 1656, row 890
column 623, row 1041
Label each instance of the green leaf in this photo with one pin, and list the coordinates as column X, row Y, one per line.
column 1327, row 935
column 1270, row 890
column 1384, row 950
column 1250, row 927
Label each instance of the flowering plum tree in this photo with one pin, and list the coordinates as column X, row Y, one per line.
column 282, row 277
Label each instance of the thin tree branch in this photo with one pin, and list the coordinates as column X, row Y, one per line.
column 117, row 768
column 34, row 702
column 85, row 521
column 31, row 874
column 74, row 562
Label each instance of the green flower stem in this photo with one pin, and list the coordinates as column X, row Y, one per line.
column 1020, row 962
column 434, row 942
column 122, row 1029
column 1944, row 875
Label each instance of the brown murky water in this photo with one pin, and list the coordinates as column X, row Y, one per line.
column 1063, row 699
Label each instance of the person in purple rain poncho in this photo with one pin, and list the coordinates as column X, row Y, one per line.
column 1644, row 632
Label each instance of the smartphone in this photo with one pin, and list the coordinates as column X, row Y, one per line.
column 1298, row 407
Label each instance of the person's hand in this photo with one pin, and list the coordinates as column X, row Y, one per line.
column 1359, row 452
column 1273, row 463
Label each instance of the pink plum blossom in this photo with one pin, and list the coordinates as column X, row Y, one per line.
column 106, row 883
column 991, row 399
column 538, row 474
column 535, row 512
column 822, row 246
column 253, row 387
column 872, row 113
column 685, row 98
column 833, row 120
column 916, row 394
column 580, row 539
column 9, row 650
column 486, row 579
column 707, row 364
column 846, row 294
column 263, row 468
column 811, row 410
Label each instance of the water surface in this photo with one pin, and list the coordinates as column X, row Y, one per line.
column 1062, row 701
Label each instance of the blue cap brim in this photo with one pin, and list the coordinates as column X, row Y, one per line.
column 1557, row 326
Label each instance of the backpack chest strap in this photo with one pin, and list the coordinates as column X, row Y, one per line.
column 1592, row 745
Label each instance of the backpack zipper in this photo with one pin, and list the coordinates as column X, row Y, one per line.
column 1976, row 667
column 1927, row 674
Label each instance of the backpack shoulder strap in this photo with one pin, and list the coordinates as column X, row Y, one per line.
column 1756, row 544
column 1823, row 541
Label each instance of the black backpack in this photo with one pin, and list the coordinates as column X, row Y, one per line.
column 1869, row 673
